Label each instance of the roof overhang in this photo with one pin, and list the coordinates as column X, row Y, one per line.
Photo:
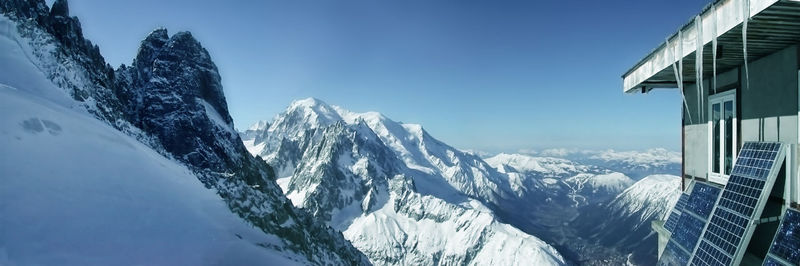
column 773, row 25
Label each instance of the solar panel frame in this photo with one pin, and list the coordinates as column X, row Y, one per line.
column 731, row 224
column 769, row 261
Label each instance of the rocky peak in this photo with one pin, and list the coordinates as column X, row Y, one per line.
column 149, row 48
column 176, row 94
column 183, row 51
column 24, row 9
column 60, row 8
column 180, row 64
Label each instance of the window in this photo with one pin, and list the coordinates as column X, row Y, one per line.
column 722, row 134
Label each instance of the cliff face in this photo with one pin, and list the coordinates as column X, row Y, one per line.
column 172, row 100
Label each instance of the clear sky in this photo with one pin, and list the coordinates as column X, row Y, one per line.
column 486, row 75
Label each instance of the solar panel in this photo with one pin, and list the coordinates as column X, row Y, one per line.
column 689, row 216
column 675, row 214
column 741, row 201
column 785, row 248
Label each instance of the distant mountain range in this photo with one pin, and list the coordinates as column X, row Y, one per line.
column 636, row 164
column 387, row 184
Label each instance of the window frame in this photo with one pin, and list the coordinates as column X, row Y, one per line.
column 721, row 98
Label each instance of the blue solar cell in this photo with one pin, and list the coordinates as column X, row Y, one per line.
column 675, row 214
column 672, row 221
column 702, row 200
column 786, row 244
column 688, row 231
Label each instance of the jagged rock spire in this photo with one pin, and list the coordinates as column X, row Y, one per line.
column 60, row 8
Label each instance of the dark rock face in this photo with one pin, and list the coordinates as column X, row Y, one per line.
column 172, row 99
column 25, row 9
column 176, row 95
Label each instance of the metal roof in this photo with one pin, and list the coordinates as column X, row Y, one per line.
column 773, row 25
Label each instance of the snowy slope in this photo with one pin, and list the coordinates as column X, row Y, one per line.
column 401, row 196
column 64, row 201
column 412, row 229
column 651, row 197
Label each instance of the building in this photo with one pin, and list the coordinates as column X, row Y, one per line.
column 736, row 65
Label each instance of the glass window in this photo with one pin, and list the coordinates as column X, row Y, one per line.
column 715, row 115
column 728, row 116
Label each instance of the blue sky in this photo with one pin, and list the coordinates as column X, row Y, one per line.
column 487, row 75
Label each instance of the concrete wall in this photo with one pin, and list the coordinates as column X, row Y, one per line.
column 696, row 150
column 773, row 86
column 696, row 130
column 769, row 107
column 767, row 110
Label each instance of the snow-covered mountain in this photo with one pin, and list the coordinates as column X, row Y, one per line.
column 625, row 222
column 401, row 196
column 135, row 131
column 415, row 148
